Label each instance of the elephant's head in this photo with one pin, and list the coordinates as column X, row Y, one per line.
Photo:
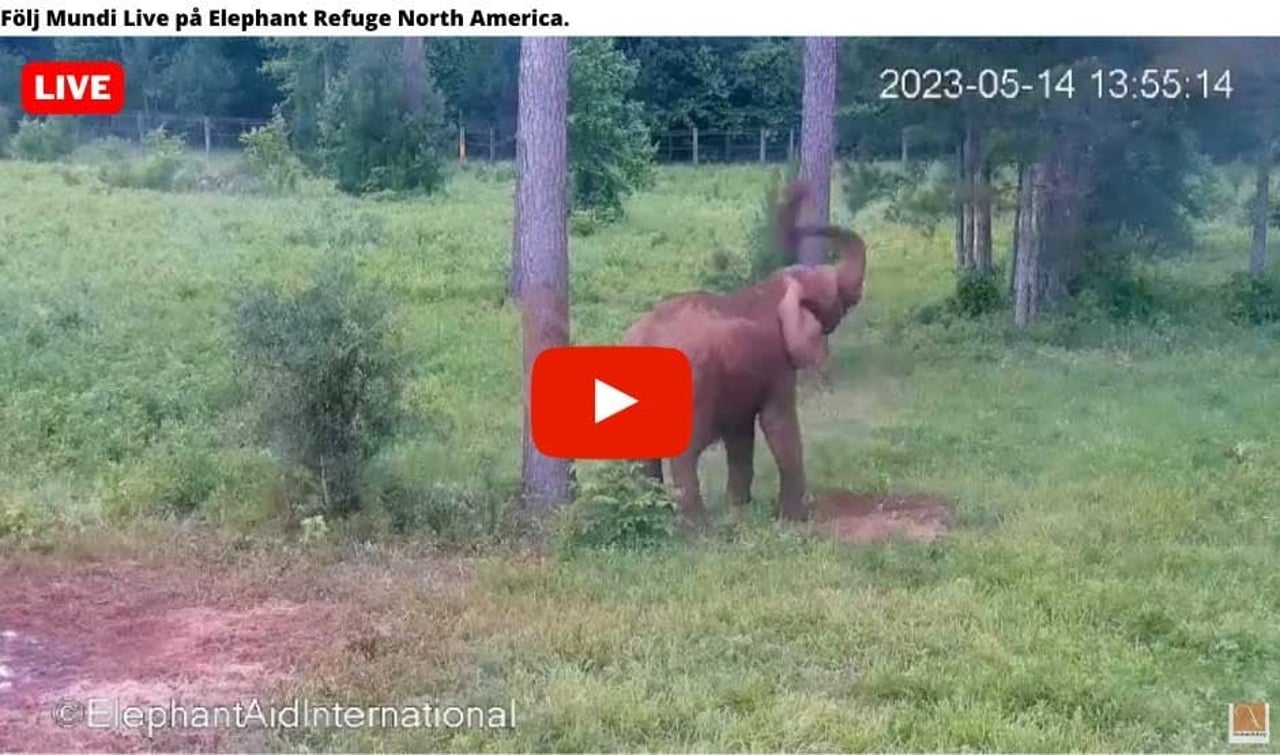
column 816, row 298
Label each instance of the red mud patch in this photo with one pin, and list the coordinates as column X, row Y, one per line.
column 142, row 636
column 862, row 518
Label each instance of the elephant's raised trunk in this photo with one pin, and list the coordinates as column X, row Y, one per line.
column 851, row 269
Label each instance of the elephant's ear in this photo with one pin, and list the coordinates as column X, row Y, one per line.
column 801, row 331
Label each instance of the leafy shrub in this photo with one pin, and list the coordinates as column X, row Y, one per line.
column 977, row 292
column 269, row 157
column 44, row 140
column 1253, row 300
column 1108, row 279
column 328, row 377
column 617, row 507
column 922, row 200
column 865, row 183
column 162, row 166
column 611, row 154
column 18, row 520
column 369, row 140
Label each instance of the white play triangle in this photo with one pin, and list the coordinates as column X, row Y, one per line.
column 610, row 401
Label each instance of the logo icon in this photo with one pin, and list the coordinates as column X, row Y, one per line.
column 73, row 87
column 611, row 402
column 1249, row 723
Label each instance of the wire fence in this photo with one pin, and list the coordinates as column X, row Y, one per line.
column 473, row 142
column 693, row 146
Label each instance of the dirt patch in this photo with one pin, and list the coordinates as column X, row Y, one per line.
column 111, row 634
column 864, row 517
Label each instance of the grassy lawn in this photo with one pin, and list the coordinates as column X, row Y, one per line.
column 1113, row 581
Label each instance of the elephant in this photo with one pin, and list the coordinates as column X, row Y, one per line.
column 745, row 349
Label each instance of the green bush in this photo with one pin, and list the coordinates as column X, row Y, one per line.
column 369, row 140
column 19, row 520
column 162, row 166
column 1110, row 281
column 1253, row 300
column 617, row 507
column 977, row 292
column 269, row 157
column 611, row 154
column 44, row 140
column 328, row 377
column 865, row 183
column 925, row 197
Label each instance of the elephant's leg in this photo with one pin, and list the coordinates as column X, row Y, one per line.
column 650, row 468
column 781, row 429
column 684, row 473
column 739, row 450
column 684, row 469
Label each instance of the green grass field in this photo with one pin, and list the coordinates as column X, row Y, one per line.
column 1112, row 584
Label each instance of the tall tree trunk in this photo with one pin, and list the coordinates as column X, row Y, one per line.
column 515, row 276
column 1026, row 288
column 982, row 217
column 542, row 240
column 1050, row 238
column 1261, row 207
column 1017, row 229
column 961, row 207
column 414, row 71
column 817, row 140
column 972, row 157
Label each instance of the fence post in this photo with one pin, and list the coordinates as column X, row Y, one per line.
column 142, row 130
column 763, row 135
column 791, row 145
column 728, row 153
column 695, row 145
column 492, row 146
column 462, row 143
column 208, row 137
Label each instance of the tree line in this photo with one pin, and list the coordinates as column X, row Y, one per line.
column 1106, row 145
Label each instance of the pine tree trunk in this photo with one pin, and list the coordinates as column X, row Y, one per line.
column 1026, row 288
column 1017, row 229
column 972, row 150
column 817, row 140
column 1261, row 207
column 961, row 241
column 982, row 218
column 542, row 240
column 515, row 276
column 414, row 71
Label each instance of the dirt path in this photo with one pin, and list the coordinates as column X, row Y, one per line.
column 82, row 643
column 85, row 644
column 865, row 517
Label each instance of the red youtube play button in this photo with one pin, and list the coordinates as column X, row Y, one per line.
column 611, row 402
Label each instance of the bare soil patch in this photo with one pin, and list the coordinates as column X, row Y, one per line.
column 161, row 635
column 866, row 517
